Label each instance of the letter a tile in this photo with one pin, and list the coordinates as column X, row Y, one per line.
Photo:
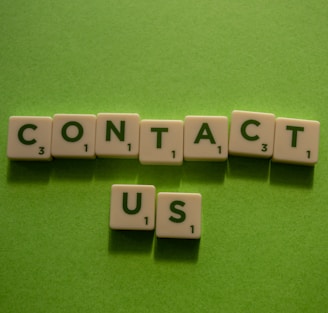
column 206, row 138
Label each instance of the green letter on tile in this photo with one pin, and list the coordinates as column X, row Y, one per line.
column 159, row 135
column 125, row 204
column 243, row 130
column 79, row 134
column 294, row 130
column 205, row 133
column 120, row 134
column 177, row 211
column 21, row 137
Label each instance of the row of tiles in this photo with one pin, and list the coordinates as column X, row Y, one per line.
column 175, row 214
column 166, row 142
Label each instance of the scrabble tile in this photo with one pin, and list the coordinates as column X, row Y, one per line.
column 205, row 138
column 29, row 138
column 73, row 136
column 252, row 134
column 296, row 141
column 132, row 207
column 117, row 135
column 178, row 215
column 161, row 142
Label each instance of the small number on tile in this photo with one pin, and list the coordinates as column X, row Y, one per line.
column 308, row 153
column 220, row 149
column 129, row 146
column 173, row 154
column 41, row 150
column 264, row 147
column 86, row 148
column 192, row 228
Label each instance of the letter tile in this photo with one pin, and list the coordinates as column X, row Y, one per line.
column 206, row 138
column 132, row 207
column 252, row 134
column 161, row 142
column 29, row 138
column 73, row 136
column 117, row 135
column 178, row 215
column 296, row 141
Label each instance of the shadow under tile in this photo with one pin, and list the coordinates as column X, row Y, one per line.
column 248, row 168
column 204, row 172
column 180, row 250
column 130, row 241
column 162, row 176
column 291, row 175
column 73, row 169
column 29, row 171
column 123, row 170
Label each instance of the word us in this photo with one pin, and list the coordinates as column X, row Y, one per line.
column 176, row 215
column 166, row 142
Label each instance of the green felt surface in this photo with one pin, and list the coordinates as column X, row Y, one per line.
column 265, row 234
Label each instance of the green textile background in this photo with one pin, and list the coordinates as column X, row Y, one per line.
column 265, row 234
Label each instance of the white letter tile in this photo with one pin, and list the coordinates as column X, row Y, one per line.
column 161, row 142
column 132, row 207
column 206, row 138
column 117, row 135
column 252, row 134
column 73, row 136
column 178, row 215
column 29, row 138
column 296, row 141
